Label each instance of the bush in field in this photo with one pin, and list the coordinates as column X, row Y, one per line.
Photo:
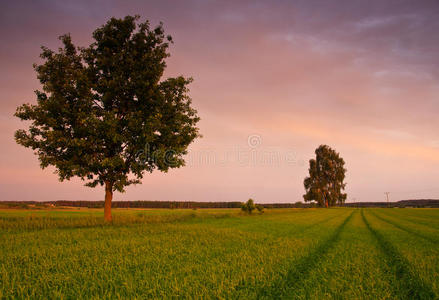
column 248, row 206
column 260, row 208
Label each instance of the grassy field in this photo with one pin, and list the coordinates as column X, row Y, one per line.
column 340, row 253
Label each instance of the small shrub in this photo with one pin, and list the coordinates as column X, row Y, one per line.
column 248, row 206
column 260, row 208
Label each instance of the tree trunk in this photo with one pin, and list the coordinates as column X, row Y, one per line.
column 326, row 203
column 108, row 198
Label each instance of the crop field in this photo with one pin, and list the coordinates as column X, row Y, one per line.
column 343, row 253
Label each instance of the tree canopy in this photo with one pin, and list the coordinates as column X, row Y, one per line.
column 105, row 114
column 326, row 178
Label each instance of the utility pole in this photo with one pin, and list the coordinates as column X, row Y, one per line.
column 387, row 196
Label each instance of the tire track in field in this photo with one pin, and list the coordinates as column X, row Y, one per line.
column 414, row 220
column 281, row 288
column 419, row 221
column 404, row 228
column 303, row 230
column 409, row 283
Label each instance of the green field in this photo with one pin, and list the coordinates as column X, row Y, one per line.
column 337, row 253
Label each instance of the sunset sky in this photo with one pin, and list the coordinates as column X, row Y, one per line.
column 272, row 81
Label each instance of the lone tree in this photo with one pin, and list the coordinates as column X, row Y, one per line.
column 326, row 176
column 104, row 113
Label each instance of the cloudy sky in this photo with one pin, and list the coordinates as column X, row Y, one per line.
column 272, row 81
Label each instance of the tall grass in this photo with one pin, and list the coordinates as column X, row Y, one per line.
column 77, row 219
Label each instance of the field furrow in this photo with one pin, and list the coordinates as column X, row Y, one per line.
column 418, row 230
column 426, row 217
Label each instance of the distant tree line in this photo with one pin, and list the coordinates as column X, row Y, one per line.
column 403, row 203
column 149, row 204
column 195, row 205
